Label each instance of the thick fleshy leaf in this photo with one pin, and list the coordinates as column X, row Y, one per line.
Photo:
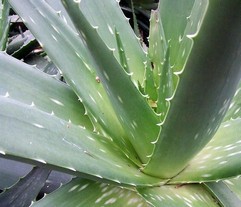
column 121, row 51
column 166, row 88
column 234, row 110
column 234, row 185
column 193, row 195
column 204, row 92
column 28, row 85
column 58, row 7
column 170, row 46
column 81, row 192
column 42, row 139
column 107, row 23
column 174, row 17
column 70, row 55
column 150, row 86
column 43, row 63
column 156, row 53
column 220, row 159
column 140, row 123
column 26, row 190
column 4, row 23
column 157, row 45
column 223, row 194
column 11, row 171
column 22, row 45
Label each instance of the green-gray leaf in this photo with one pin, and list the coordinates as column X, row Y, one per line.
column 220, row 159
column 26, row 190
column 204, row 92
column 42, row 138
column 235, row 106
column 109, row 21
column 38, row 90
column 181, row 196
column 81, row 192
column 140, row 123
column 4, row 23
column 223, row 194
column 77, row 66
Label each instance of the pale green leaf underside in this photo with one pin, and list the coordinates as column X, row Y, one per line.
column 34, row 135
column 107, row 22
column 70, row 55
column 220, row 159
column 28, row 85
column 135, row 115
column 204, row 92
column 192, row 195
column 81, row 192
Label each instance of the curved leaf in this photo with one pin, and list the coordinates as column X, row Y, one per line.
column 223, row 194
column 220, row 159
column 81, row 192
column 70, row 55
column 43, row 138
column 30, row 86
column 234, row 110
column 181, row 196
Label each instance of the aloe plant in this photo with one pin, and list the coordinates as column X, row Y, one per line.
column 137, row 127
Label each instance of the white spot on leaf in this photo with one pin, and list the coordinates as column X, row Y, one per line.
column 38, row 125
column 57, row 101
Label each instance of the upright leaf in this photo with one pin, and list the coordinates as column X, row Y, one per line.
column 157, row 45
column 4, row 23
column 107, row 22
column 174, row 16
column 140, row 123
column 207, row 85
column 77, row 66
